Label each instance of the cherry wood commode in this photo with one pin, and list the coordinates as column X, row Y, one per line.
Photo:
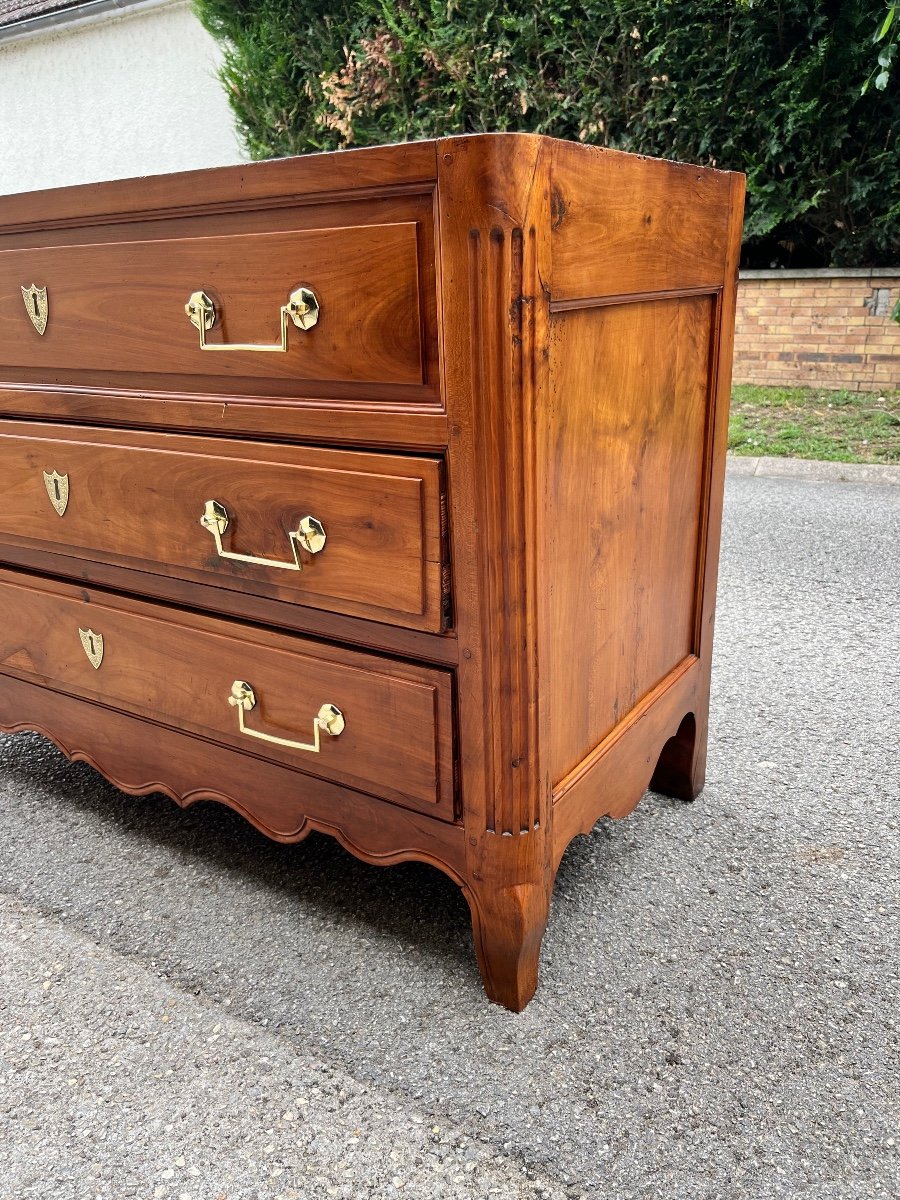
column 377, row 493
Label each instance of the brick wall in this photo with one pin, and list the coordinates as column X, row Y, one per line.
column 828, row 329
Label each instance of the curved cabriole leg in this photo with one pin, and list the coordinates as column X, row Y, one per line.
column 681, row 770
column 508, row 924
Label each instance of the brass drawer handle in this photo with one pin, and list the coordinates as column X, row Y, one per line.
column 329, row 718
column 302, row 308
column 310, row 536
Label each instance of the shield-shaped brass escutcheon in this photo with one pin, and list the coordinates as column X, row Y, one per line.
column 36, row 306
column 93, row 646
column 57, row 489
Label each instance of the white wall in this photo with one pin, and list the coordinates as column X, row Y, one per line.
column 121, row 95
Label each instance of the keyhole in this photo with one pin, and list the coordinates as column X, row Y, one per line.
column 56, row 489
column 34, row 304
column 93, row 649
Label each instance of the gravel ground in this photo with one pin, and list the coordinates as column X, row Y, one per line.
column 188, row 1010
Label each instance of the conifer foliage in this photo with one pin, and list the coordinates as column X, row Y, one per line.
column 780, row 89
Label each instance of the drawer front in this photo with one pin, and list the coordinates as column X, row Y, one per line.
column 138, row 500
column 187, row 672
column 119, row 307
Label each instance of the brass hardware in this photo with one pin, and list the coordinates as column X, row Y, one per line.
column 36, row 306
column 302, row 308
column 93, row 646
column 329, row 719
column 58, row 490
column 309, row 536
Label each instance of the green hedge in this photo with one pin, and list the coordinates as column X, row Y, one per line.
column 772, row 89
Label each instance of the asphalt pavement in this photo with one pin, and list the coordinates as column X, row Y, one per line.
column 190, row 1012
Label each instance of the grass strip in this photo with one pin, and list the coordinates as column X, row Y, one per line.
column 835, row 426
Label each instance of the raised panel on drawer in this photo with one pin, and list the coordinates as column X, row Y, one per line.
column 118, row 308
column 177, row 668
column 136, row 499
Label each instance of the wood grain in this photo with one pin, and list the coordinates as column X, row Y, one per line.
column 375, row 423
column 135, row 500
column 118, row 308
column 177, row 669
column 237, row 396
column 627, row 423
column 623, row 223
column 492, row 248
column 397, row 641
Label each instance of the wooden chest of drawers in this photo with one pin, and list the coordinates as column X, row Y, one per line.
column 375, row 493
